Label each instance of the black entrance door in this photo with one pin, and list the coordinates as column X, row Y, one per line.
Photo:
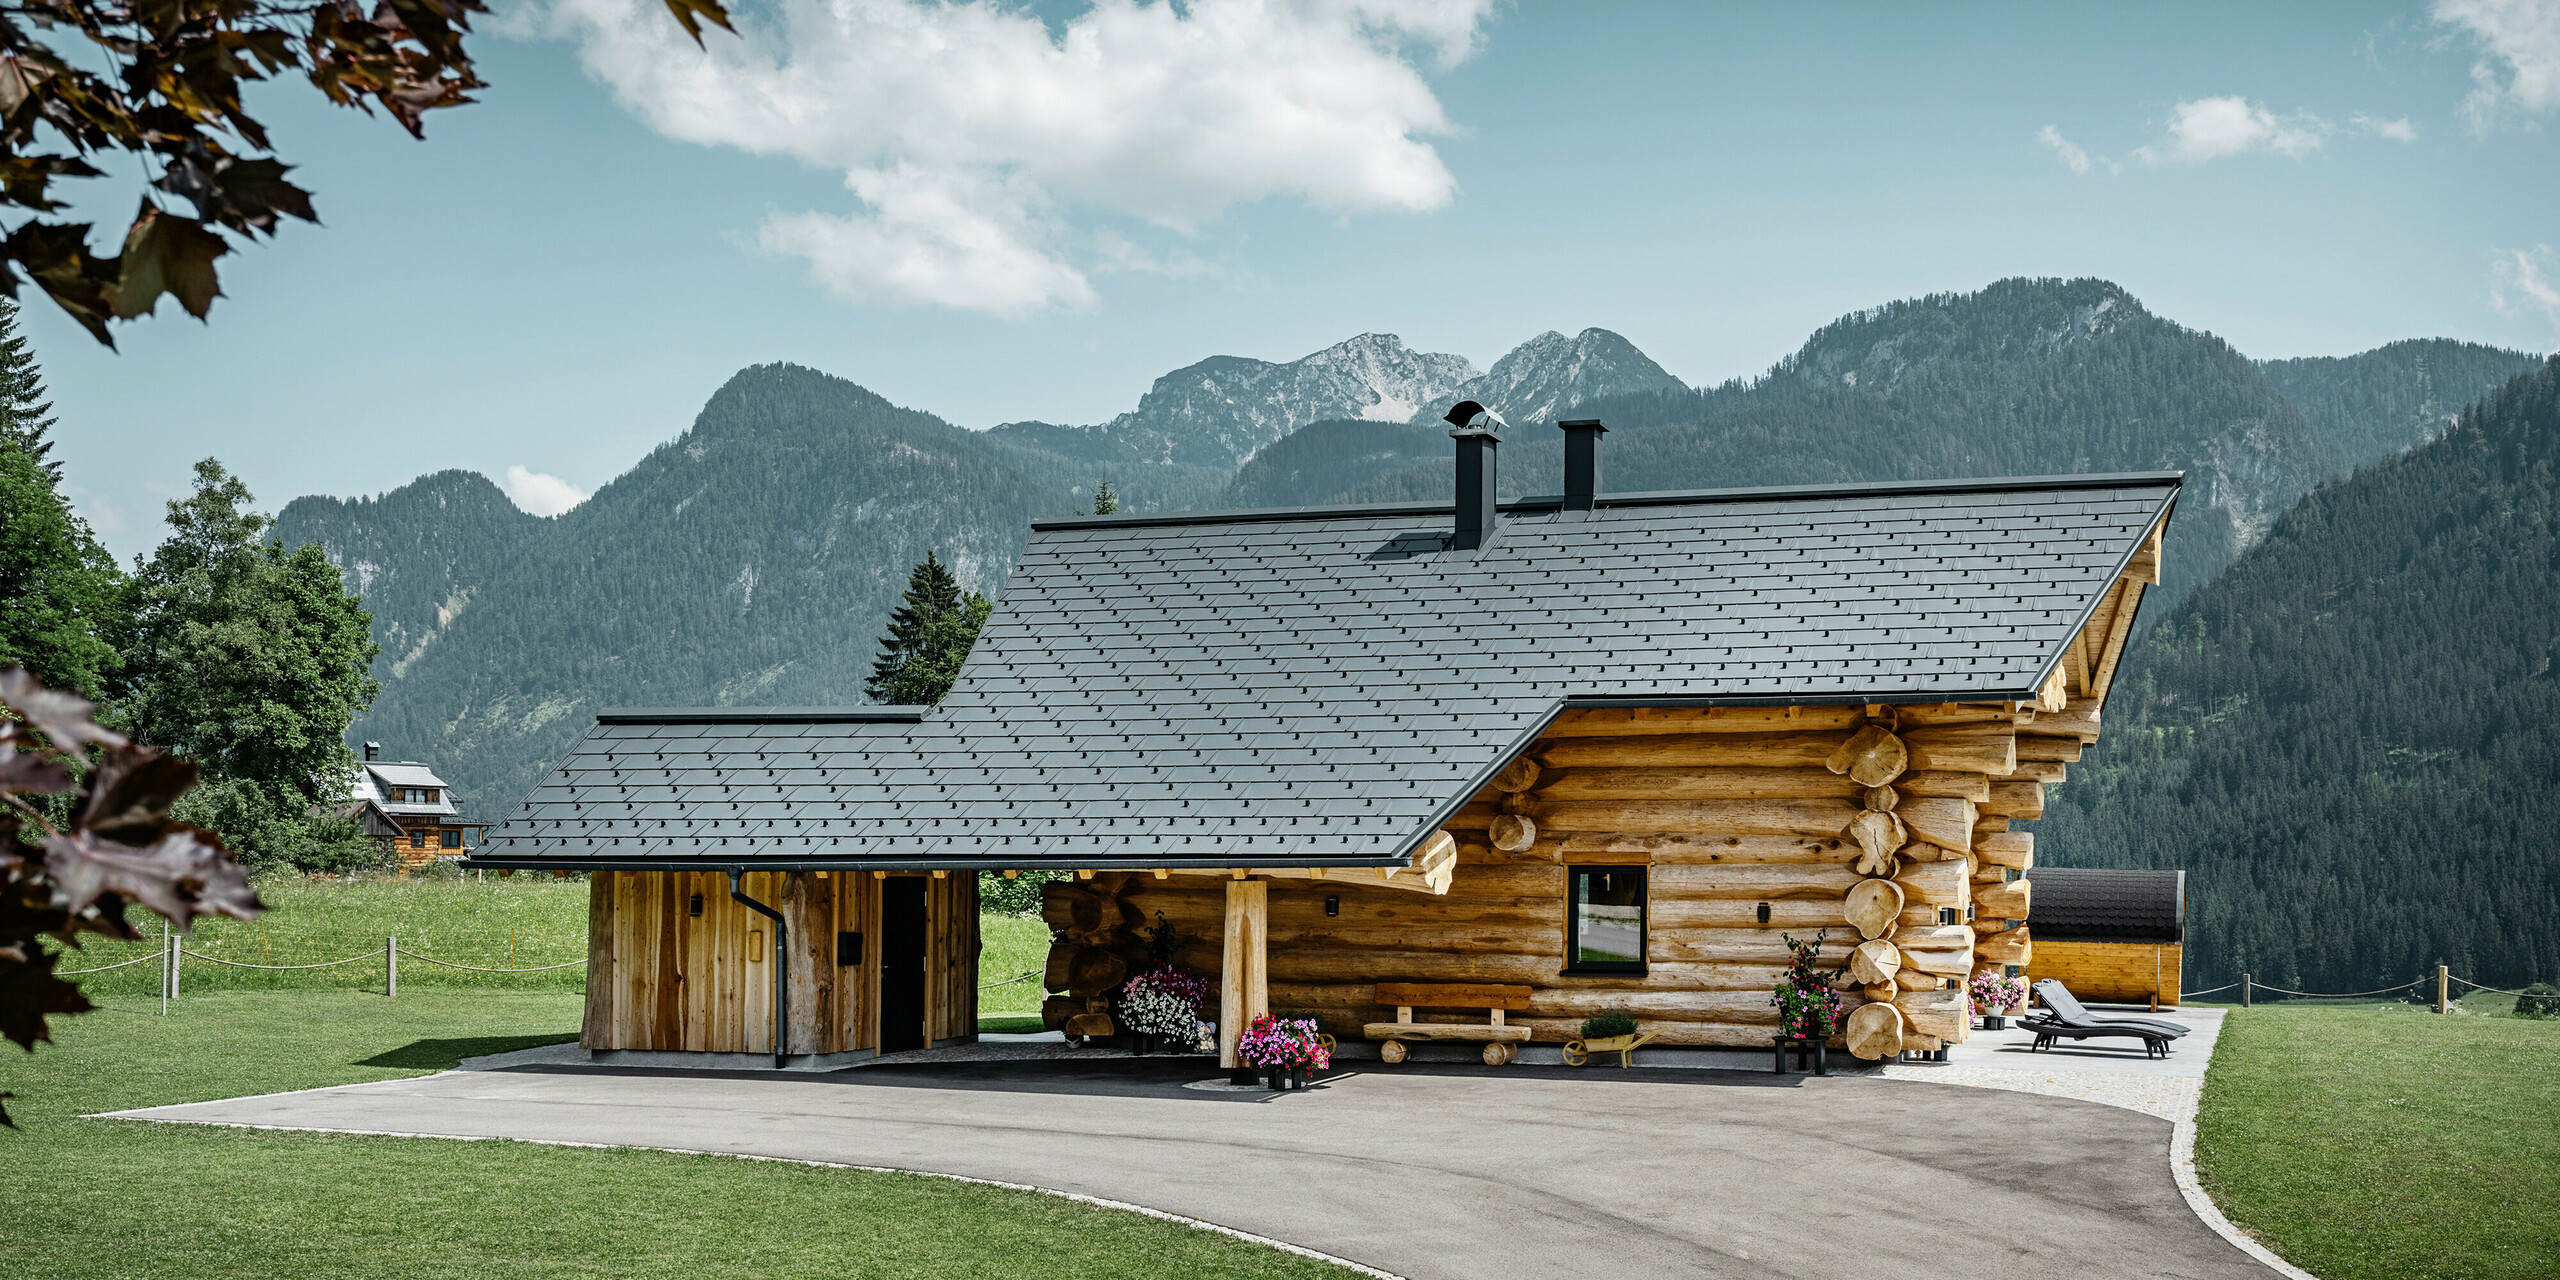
column 902, row 957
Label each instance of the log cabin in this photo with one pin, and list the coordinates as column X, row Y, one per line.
column 2112, row 935
column 1587, row 751
column 409, row 812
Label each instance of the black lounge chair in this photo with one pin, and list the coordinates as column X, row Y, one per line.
column 2066, row 1019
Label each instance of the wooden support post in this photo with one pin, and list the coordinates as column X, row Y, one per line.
column 1244, row 989
column 2244, row 991
column 2440, row 989
column 168, row 968
column 391, row 966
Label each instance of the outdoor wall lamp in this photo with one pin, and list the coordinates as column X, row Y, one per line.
column 1332, row 905
column 1764, row 913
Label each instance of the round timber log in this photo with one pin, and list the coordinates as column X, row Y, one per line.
column 1878, row 834
column 1095, row 971
column 1871, row 757
column 1391, row 1052
column 1874, row 907
column 1512, row 832
column 1874, row 962
column 1874, row 1031
column 1519, row 775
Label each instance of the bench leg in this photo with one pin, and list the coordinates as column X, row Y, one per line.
column 1391, row 1052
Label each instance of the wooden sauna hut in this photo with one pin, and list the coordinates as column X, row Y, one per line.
column 1482, row 762
column 2115, row 936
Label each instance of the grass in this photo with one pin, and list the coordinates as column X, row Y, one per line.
column 1009, row 946
column 2385, row 1142
column 114, row 1199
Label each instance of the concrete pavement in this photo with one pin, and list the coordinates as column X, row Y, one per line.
column 1424, row 1170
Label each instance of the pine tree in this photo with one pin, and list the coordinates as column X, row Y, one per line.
column 25, row 415
column 928, row 638
column 1105, row 499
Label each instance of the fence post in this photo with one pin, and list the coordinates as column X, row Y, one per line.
column 391, row 966
column 168, row 965
column 2440, row 986
column 2244, row 991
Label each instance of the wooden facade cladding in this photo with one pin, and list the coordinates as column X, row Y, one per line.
column 662, row 978
column 2113, row 972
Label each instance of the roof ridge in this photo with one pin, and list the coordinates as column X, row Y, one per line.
column 1651, row 498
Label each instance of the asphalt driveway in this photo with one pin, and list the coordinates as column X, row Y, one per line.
column 1425, row 1171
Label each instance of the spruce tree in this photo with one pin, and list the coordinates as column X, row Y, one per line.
column 929, row 637
column 25, row 415
column 61, row 598
column 1106, row 499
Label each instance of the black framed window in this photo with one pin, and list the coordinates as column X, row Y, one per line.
column 418, row 838
column 1604, row 920
column 452, row 838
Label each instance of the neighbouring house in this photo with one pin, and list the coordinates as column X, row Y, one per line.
column 410, row 811
column 1602, row 750
column 2111, row 935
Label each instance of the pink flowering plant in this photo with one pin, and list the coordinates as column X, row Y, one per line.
column 1808, row 1006
column 1283, row 1044
column 1164, row 1001
column 1994, row 995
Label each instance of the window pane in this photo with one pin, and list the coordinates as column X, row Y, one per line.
column 417, row 839
column 453, row 839
column 1608, row 917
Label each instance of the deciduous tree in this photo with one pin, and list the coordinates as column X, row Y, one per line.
column 61, row 598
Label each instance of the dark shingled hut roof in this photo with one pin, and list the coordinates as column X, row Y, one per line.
column 1324, row 687
column 2087, row 904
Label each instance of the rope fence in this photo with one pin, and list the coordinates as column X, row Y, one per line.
column 2336, row 995
column 477, row 969
column 987, row 986
column 120, row 964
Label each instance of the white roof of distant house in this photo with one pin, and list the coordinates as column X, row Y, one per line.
column 386, row 784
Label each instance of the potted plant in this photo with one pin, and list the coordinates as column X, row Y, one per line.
column 1608, row 1031
column 1996, row 997
column 1807, row 1003
column 1161, row 1008
column 1285, row 1050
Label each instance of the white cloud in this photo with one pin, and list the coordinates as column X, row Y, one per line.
column 2526, row 280
column 2220, row 128
column 2400, row 130
column 2524, row 36
column 537, row 494
column 2072, row 156
column 976, row 142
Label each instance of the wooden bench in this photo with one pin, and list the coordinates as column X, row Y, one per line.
column 1500, row 1042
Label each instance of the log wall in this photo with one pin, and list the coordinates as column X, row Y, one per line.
column 1728, row 808
column 659, row 977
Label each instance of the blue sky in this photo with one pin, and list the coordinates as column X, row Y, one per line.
column 558, row 277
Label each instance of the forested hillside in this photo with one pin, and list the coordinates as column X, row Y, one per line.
column 2384, row 400
column 749, row 561
column 2348, row 739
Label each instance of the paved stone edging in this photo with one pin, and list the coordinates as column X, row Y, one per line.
column 2171, row 1098
column 1100, row 1202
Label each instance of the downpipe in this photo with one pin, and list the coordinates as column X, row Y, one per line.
column 781, row 980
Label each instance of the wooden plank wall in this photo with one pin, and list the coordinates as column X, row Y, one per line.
column 660, row 978
column 2111, row 972
column 951, row 972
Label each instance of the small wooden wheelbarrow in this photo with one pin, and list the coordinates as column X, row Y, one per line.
column 1580, row 1052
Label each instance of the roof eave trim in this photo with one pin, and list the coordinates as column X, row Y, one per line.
column 772, row 862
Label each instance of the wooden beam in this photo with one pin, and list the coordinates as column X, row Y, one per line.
column 2116, row 633
column 1244, row 985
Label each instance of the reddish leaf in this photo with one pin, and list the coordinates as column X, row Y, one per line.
column 185, row 874
column 130, row 795
column 63, row 718
column 165, row 253
column 691, row 13
column 26, row 775
column 28, row 994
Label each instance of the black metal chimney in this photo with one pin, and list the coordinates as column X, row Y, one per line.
column 1582, row 462
column 1476, row 426
column 372, row 752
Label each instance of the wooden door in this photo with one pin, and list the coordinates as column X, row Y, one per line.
column 903, row 955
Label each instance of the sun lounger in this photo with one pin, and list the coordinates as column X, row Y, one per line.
column 2065, row 1018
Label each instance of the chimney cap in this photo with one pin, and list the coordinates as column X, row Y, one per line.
column 1468, row 416
column 1582, row 424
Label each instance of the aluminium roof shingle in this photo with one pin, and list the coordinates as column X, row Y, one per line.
column 1323, row 687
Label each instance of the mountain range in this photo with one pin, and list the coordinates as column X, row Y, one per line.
column 753, row 559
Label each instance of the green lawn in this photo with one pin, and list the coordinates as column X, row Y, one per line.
column 111, row 1198
column 2367, row 1142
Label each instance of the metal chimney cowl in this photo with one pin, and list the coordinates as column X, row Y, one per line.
column 1582, row 462
column 1476, row 441
column 372, row 752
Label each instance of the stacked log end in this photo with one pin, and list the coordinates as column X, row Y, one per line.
column 1094, row 946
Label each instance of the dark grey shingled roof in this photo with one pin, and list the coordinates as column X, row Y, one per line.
column 2087, row 904
column 1323, row 687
